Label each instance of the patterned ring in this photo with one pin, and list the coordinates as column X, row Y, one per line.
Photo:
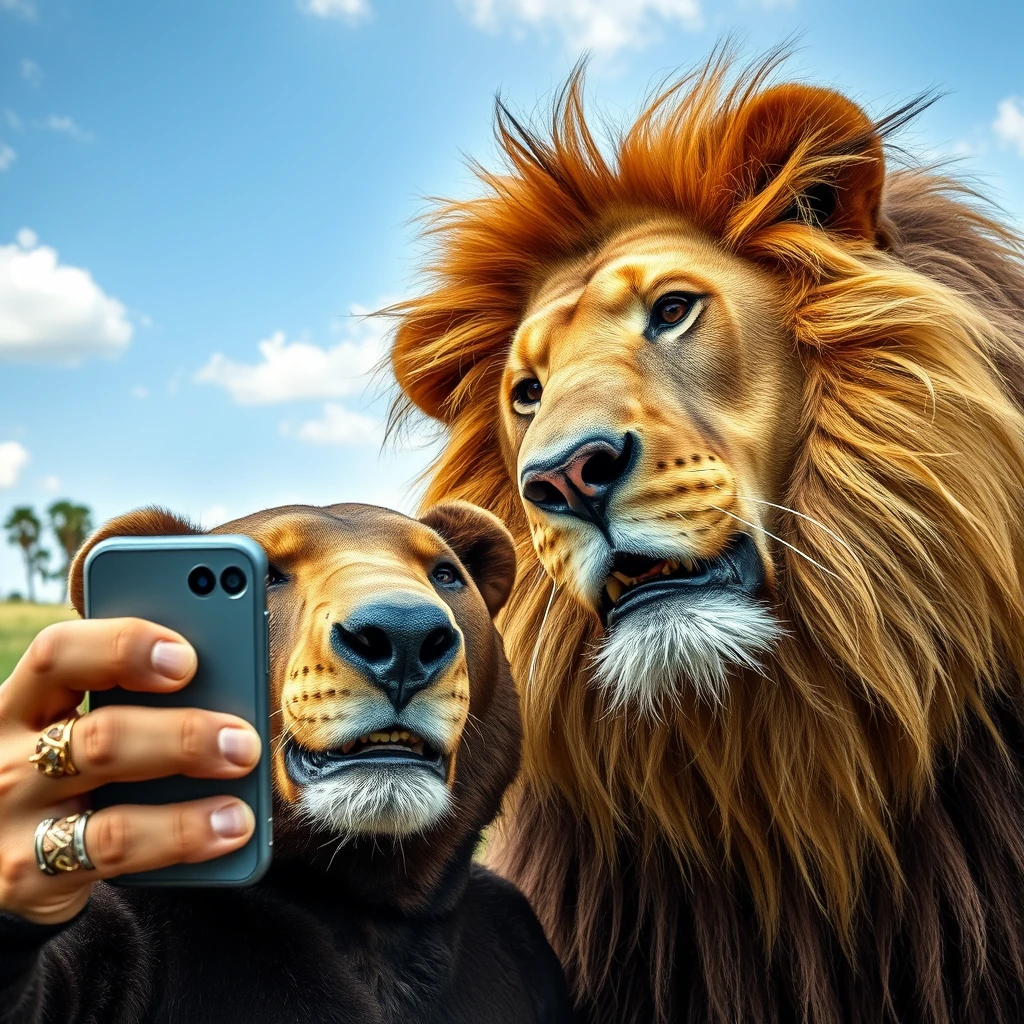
column 53, row 750
column 60, row 844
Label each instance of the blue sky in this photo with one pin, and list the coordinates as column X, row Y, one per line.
column 197, row 199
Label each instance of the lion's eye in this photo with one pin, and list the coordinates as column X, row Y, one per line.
column 526, row 395
column 671, row 312
column 275, row 576
column 445, row 574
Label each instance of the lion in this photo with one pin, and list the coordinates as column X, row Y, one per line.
column 751, row 405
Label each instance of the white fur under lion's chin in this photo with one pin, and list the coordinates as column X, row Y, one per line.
column 376, row 800
column 647, row 660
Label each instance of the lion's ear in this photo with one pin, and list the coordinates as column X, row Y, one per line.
column 143, row 522
column 484, row 547
column 812, row 155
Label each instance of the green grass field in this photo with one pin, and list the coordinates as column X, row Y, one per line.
column 19, row 623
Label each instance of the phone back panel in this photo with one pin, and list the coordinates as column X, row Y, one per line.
column 147, row 577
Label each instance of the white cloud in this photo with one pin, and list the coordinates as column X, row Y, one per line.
column 52, row 312
column 26, row 8
column 12, row 119
column 50, row 484
column 140, row 392
column 213, row 516
column 7, row 155
column 352, row 11
column 295, row 370
column 13, row 457
column 31, row 72
column 64, row 125
column 338, row 425
column 1009, row 123
column 603, row 26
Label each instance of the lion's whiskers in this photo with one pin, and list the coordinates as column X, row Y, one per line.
column 768, row 533
column 540, row 632
column 803, row 515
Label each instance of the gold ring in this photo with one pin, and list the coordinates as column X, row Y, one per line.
column 60, row 844
column 53, row 750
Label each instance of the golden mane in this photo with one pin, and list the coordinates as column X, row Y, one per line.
column 817, row 796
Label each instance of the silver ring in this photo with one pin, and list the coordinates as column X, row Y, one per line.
column 41, row 829
column 60, row 844
column 79, row 842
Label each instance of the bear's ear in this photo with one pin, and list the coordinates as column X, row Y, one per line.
column 143, row 522
column 810, row 154
column 484, row 547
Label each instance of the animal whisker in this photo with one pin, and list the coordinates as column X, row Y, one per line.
column 803, row 515
column 540, row 632
column 768, row 533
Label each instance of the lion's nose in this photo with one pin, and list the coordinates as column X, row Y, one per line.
column 401, row 646
column 581, row 481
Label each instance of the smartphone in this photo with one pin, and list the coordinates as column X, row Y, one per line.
column 212, row 590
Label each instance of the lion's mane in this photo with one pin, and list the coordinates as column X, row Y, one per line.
column 844, row 840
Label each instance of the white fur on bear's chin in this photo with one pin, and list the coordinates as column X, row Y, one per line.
column 376, row 800
column 656, row 652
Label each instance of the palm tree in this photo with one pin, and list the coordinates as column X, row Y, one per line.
column 71, row 524
column 23, row 528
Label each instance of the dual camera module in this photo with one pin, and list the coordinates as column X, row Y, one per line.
column 202, row 581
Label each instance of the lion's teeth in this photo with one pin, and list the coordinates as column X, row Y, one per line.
column 614, row 587
column 627, row 580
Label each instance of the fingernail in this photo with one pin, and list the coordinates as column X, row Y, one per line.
column 172, row 659
column 230, row 821
column 239, row 746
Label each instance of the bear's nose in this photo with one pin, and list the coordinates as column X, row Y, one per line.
column 401, row 646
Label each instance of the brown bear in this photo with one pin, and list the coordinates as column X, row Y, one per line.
column 373, row 910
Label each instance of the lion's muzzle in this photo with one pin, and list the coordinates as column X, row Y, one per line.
column 581, row 481
column 636, row 582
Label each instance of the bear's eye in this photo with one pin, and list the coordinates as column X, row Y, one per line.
column 671, row 312
column 275, row 577
column 446, row 574
column 526, row 395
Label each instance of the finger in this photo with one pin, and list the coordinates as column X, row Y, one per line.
column 130, row 837
column 68, row 658
column 130, row 744
column 118, row 840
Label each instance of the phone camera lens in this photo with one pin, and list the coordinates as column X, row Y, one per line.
column 201, row 581
column 232, row 579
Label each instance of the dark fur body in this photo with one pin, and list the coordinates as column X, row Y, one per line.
column 293, row 948
column 953, row 952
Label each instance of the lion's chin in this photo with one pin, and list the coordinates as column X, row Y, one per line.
column 684, row 641
column 376, row 800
